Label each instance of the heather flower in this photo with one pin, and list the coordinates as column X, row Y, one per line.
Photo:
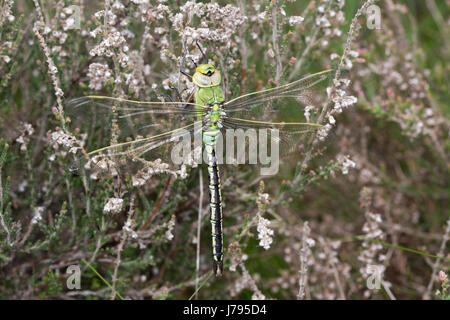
column 26, row 130
column 295, row 20
column 258, row 296
column 100, row 164
column 347, row 164
column 37, row 216
column 60, row 138
column 331, row 120
column 114, row 40
column 170, row 226
column 98, row 75
column 114, row 205
column 6, row 14
column 265, row 234
column 307, row 112
column 323, row 131
column 127, row 227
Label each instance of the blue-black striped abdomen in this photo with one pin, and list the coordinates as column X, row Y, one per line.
column 215, row 210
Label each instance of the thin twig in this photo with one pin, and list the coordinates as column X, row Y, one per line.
column 156, row 208
column 436, row 262
column 276, row 48
column 257, row 294
column 123, row 238
column 303, row 262
column 72, row 210
column 100, row 276
column 2, row 221
column 52, row 69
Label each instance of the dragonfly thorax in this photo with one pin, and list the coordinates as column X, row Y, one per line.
column 213, row 118
column 212, row 100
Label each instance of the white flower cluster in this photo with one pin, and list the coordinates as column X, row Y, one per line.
column 327, row 254
column 113, row 41
column 101, row 164
column 170, row 226
column 114, row 205
column 68, row 20
column 323, row 131
column 25, row 130
column 230, row 18
column 339, row 96
column 346, row 163
column 295, row 20
column 156, row 167
column 307, row 112
column 53, row 70
column 6, row 58
column 37, row 216
column 60, row 138
column 127, row 227
column 341, row 100
column 240, row 284
column 6, row 12
column 6, row 46
column 192, row 159
column 98, row 75
column 371, row 256
column 258, row 296
column 265, row 234
column 135, row 79
column 58, row 38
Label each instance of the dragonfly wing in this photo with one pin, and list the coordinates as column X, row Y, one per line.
column 285, row 101
column 144, row 134
column 278, row 115
column 130, row 118
column 288, row 137
column 143, row 157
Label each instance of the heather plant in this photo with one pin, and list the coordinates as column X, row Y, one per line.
column 358, row 211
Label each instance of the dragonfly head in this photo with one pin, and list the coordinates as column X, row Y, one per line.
column 206, row 76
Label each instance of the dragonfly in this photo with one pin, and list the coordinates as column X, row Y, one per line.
column 146, row 131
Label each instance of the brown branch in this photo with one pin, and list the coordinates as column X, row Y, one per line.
column 156, row 208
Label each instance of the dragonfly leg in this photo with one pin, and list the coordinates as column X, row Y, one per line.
column 195, row 63
column 165, row 95
column 177, row 92
column 205, row 59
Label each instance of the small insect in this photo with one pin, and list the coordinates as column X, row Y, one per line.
column 155, row 126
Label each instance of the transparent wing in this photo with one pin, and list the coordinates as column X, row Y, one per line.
column 278, row 114
column 131, row 118
column 131, row 137
column 261, row 105
column 139, row 159
column 284, row 138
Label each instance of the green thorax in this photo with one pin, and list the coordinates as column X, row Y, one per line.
column 205, row 96
column 211, row 98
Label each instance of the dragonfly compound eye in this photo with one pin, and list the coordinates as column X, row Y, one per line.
column 206, row 69
column 206, row 76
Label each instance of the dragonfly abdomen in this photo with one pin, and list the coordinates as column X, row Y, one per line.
column 215, row 201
